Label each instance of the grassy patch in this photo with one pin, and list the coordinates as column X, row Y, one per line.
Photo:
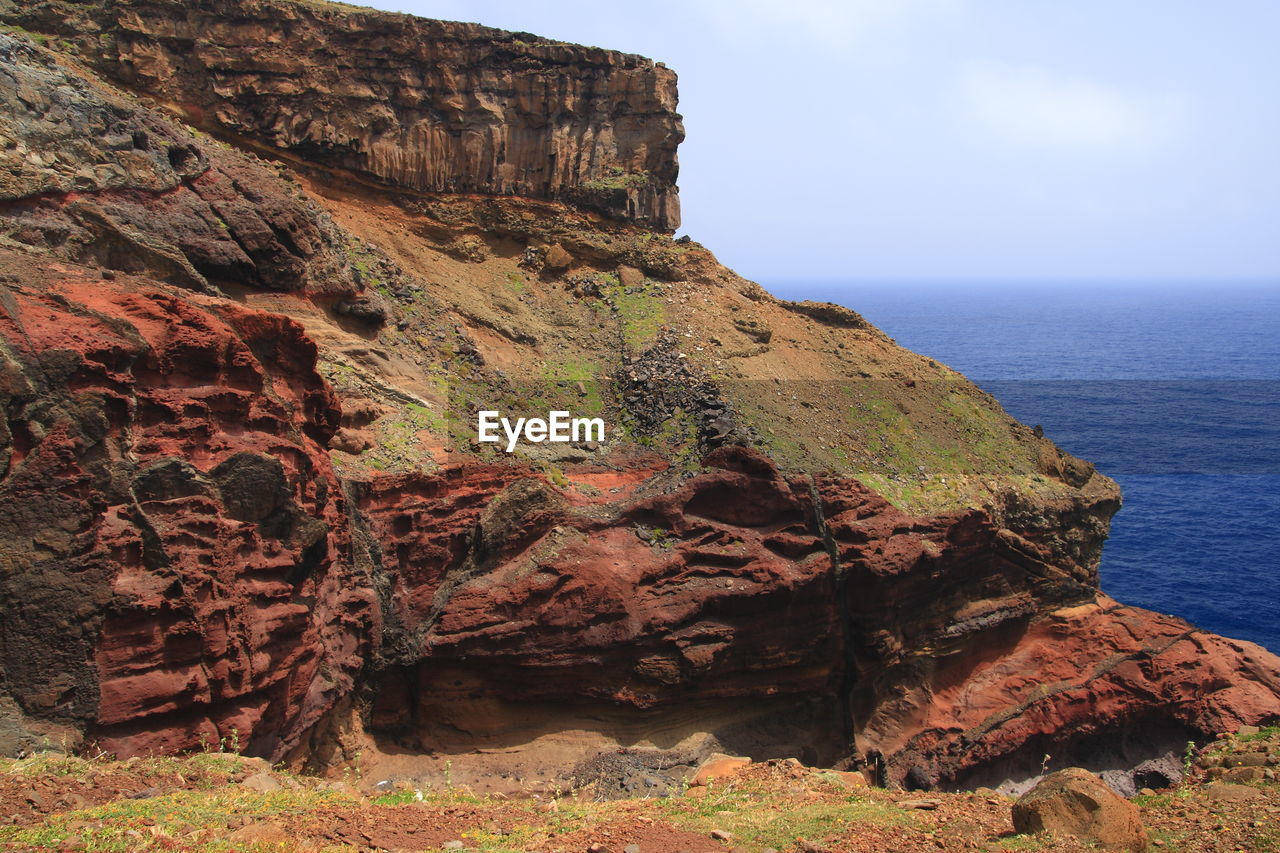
column 641, row 314
column 516, row 283
column 399, row 441
column 399, row 798
column 209, row 767
column 1262, row 734
column 1174, row 841
column 1022, row 842
column 758, row 817
column 617, row 179
column 185, row 820
column 564, row 375
column 369, row 269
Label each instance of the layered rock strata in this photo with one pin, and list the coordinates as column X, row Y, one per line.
column 418, row 104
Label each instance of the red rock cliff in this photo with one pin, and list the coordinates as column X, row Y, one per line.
column 176, row 557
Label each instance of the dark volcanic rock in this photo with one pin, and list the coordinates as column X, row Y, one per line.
column 88, row 176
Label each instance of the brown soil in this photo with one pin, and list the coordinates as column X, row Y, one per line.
column 210, row 802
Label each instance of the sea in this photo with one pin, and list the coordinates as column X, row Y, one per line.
column 1173, row 390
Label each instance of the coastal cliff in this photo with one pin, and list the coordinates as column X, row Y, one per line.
column 240, row 492
column 423, row 105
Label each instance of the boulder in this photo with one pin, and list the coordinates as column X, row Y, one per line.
column 1246, row 759
column 1245, row 774
column 1076, row 802
column 557, row 258
column 719, row 766
column 1229, row 792
column 263, row 783
column 353, row 441
column 630, row 276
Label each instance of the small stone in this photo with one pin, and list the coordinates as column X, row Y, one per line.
column 452, row 845
column 719, row 766
column 803, row 846
column 630, row 276
column 557, row 258
column 263, row 783
column 924, row 805
column 721, row 835
column 1228, row 792
column 1247, row 731
column 848, row 778
column 631, row 848
column 73, row 801
column 267, row 834
column 1244, row 774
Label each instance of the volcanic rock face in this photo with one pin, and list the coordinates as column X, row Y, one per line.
column 175, row 551
column 919, row 633
column 92, row 178
column 423, row 105
column 187, row 552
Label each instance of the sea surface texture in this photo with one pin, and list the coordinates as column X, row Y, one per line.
column 1172, row 390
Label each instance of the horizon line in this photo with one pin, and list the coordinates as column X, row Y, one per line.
column 1017, row 280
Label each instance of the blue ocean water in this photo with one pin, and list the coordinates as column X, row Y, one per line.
column 1172, row 390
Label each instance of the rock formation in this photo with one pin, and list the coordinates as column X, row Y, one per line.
column 241, row 498
column 175, row 549
column 423, row 105
column 1075, row 803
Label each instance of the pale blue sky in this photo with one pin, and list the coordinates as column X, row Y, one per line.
column 959, row 139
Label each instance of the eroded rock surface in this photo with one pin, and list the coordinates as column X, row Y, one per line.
column 176, row 557
column 90, row 177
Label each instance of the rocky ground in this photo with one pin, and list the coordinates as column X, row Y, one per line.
column 221, row 801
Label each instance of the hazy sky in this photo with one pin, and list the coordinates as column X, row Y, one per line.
column 971, row 139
